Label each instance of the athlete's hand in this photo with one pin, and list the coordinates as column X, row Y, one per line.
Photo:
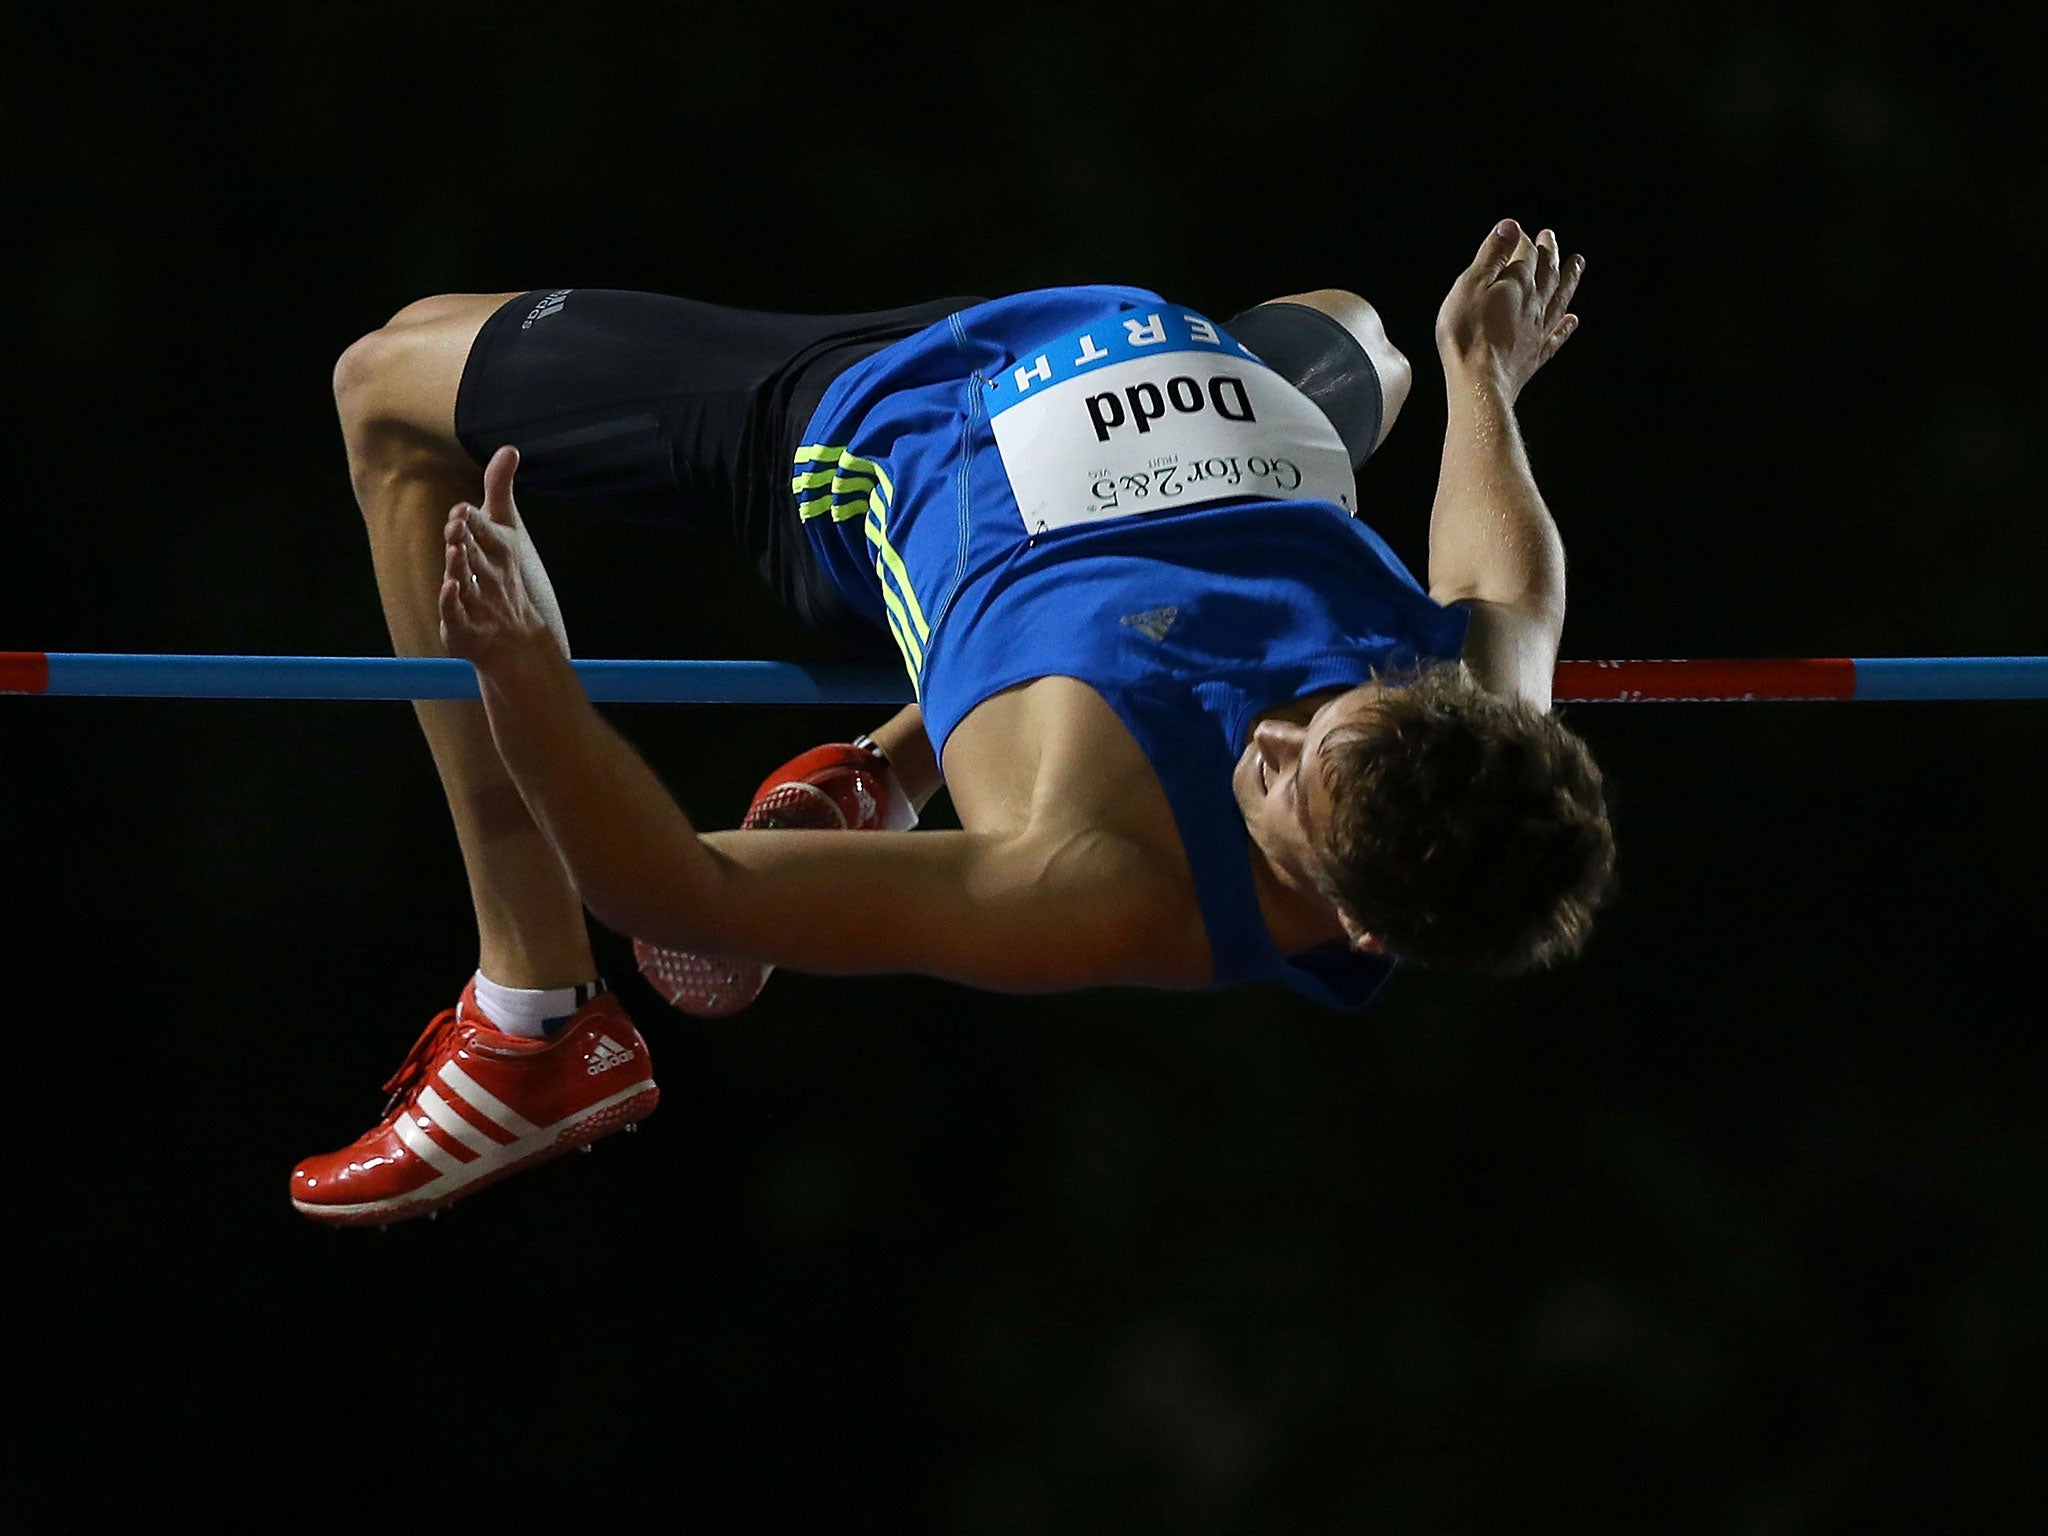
column 1509, row 312
column 495, row 594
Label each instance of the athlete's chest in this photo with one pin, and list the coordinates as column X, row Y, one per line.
column 1050, row 760
column 1052, row 751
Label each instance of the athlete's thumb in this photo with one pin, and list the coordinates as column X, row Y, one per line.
column 1497, row 250
column 498, row 474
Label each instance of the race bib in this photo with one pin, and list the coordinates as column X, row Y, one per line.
column 1154, row 410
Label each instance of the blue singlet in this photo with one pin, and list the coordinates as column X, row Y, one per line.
column 1095, row 483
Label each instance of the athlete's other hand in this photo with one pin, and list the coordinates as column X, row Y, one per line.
column 1509, row 312
column 495, row 594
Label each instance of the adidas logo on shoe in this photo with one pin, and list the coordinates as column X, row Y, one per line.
column 605, row 1055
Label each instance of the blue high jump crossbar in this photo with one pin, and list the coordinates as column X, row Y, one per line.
column 116, row 675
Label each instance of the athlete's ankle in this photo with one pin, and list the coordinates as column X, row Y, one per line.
column 530, row 1012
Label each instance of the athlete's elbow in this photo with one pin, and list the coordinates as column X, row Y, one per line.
column 1535, row 594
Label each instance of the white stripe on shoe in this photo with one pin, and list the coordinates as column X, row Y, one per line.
column 426, row 1149
column 487, row 1103
column 444, row 1114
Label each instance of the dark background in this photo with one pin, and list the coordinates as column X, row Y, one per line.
column 1736, row 1226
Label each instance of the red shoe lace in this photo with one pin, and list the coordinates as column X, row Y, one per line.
column 423, row 1051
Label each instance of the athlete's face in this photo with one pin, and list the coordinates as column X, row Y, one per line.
column 1282, row 785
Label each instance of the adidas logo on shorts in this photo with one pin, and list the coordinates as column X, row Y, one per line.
column 547, row 306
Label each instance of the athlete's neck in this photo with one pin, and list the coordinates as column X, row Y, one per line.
column 1298, row 916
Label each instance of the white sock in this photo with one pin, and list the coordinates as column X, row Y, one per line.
column 534, row 1012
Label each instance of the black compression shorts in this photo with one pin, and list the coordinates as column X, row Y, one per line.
column 690, row 414
column 678, row 412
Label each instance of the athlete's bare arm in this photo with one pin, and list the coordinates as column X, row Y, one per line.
column 1492, row 543
column 1018, row 910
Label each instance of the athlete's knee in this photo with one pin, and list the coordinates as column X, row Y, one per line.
column 1349, row 366
column 356, row 375
column 370, row 387
column 396, row 385
column 1389, row 363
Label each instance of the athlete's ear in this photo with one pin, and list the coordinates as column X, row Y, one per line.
column 1357, row 938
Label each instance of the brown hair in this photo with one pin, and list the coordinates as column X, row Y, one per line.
column 1468, row 830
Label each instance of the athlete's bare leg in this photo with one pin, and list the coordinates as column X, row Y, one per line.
column 395, row 391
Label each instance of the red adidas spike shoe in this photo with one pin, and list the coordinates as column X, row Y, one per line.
column 471, row 1104
column 834, row 787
